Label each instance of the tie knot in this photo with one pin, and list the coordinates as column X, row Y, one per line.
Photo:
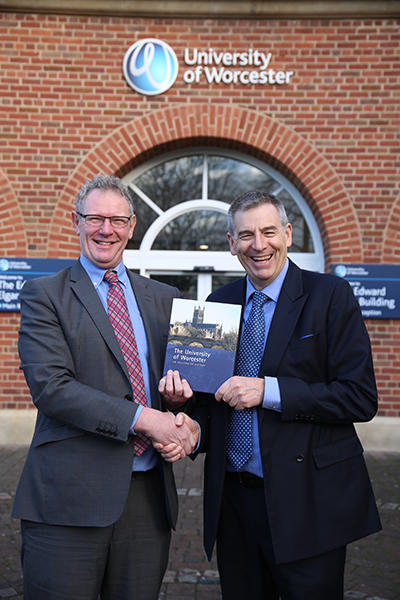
column 111, row 277
column 259, row 299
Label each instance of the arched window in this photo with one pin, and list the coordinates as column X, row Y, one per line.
column 181, row 203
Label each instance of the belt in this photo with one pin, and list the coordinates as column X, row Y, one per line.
column 248, row 480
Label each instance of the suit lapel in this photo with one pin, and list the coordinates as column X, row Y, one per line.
column 145, row 302
column 236, row 294
column 290, row 304
column 87, row 295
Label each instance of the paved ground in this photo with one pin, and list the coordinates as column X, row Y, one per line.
column 373, row 565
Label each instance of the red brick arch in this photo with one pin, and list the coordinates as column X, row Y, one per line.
column 391, row 236
column 12, row 230
column 237, row 126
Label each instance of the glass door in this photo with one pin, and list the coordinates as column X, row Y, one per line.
column 195, row 285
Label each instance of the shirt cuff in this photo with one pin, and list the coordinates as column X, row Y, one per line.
column 272, row 394
column 137, row 413
column 198, row 441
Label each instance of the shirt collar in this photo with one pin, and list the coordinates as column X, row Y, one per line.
column 273, row 289
column 96, row 274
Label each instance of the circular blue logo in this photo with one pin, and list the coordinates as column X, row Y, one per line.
column 150, row 67
column 340, row 270
column 3, row 264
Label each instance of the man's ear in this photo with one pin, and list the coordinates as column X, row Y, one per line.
column 75, row 222
column 132, row 226
column 288, row 234
column 231, row 244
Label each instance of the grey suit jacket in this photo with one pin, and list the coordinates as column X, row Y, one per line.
column 78, row 468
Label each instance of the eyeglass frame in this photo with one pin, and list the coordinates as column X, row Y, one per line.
column 123, row 217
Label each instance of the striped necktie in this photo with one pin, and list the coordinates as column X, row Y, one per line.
column 121, row 322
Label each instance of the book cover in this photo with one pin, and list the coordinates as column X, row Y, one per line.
column 202, row 342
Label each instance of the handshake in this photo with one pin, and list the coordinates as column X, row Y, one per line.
column 173, row 436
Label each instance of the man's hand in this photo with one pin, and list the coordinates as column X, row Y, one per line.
column 173, row 452
column 241, row 392
column 175, row 391
column 179, row 434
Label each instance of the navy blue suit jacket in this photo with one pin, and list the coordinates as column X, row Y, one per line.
column 317, row 490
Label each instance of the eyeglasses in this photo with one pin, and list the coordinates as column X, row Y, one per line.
column 98, row 220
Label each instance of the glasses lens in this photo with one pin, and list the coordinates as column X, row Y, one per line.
column 119, row 222
column 94, row 220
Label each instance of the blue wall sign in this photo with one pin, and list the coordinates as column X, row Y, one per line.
column 376, row 287
column 15, row 271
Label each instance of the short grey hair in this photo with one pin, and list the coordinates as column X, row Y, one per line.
column 103, row 182
column 252, row 199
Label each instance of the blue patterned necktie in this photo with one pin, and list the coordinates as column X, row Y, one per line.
column 251, row 350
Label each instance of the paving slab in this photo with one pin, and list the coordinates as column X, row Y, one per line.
column 373, row 563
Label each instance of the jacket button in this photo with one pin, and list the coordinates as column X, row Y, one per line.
column 299, row 458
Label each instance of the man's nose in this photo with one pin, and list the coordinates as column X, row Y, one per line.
column 106, row 227
column 258, row 241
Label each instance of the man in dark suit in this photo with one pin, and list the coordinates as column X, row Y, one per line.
column 283, row 513
column 96, row 501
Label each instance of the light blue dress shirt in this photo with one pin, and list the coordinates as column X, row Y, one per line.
column 272, row 395
column 148, row 459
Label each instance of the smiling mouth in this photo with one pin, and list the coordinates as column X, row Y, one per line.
column 101, row 243
column 261, row 259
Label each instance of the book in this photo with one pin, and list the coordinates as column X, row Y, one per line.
column 202, row 342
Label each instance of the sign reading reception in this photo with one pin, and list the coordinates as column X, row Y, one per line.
column 15, row 271
column 202, row 342
column 376, row 287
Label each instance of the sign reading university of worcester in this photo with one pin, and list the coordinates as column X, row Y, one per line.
column 151, row 67
column 376, row 287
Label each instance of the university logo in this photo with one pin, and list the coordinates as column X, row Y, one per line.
column 4, row 264
column 340, row 271
column 150, row 67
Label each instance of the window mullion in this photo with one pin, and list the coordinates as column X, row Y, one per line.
column 145, row 198
column 204, row 191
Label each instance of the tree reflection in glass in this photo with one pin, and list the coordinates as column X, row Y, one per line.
column 203, row 176
column 196, row 230
column 228, row 178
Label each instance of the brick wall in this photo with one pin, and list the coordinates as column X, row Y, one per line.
column 66, row 113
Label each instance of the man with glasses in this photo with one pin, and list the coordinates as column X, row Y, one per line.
column 96, row 501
